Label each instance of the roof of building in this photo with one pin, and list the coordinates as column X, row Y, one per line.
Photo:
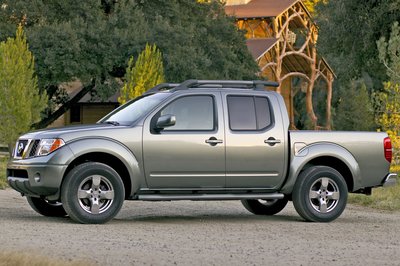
column 260, row 8
column 258, row 47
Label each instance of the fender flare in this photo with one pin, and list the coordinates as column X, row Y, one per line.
column 109, row 146
column 314, row 151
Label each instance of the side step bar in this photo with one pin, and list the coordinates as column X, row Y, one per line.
column 166, row 197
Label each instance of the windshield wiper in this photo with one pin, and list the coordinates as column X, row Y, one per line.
column 115, row 123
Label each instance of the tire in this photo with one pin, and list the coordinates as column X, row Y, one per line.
column 92, row 193
column 265, row 207
column 320, row 194
column 47, row 208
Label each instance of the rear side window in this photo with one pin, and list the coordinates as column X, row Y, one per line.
column 248, row 113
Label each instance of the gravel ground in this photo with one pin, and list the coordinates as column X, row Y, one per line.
column 203, row 233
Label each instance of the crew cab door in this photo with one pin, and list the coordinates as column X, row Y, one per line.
column 191, row 153
column 255, row 141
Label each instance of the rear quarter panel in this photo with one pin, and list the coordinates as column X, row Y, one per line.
column 362, row 152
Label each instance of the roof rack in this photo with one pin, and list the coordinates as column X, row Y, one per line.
column 161, row 87
column 194, row 83
column 253, row 84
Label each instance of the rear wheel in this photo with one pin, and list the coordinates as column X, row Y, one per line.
column 265, row 207
column 320, row 194
column 47, row 208
column 92, row 193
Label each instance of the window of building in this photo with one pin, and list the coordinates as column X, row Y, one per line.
column 75, row 114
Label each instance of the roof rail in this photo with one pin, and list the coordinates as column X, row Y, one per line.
column 161, row 87
column 253, row 84
column 194, row 83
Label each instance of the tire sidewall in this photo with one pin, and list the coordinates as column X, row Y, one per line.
column 69, row 192
column 45, row 208
column 302, row 188
column 256, row 207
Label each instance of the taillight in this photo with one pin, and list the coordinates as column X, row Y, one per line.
column 387, row 146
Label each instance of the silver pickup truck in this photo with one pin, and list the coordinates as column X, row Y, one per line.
column 198, row 140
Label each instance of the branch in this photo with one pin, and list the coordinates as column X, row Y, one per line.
column 295, row 74
column 65, row 107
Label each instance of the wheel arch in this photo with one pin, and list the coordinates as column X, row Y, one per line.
column 326, row 154
column 107, row 159
column 111, row 153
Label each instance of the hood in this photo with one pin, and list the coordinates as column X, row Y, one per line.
column 70, row 132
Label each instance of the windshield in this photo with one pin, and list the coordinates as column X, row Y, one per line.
column 128, row 113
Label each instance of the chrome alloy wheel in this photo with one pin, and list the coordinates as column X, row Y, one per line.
column 95, row 194
column 324, row 195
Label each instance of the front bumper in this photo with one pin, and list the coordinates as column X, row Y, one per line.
column 39, row 176
column 390, row 180
column 35, row 180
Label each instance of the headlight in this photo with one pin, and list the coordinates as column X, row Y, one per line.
column 47, row 146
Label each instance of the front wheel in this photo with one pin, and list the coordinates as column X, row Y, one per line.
column 320, row 194
column 92, row 193
column 265, row 207
column 47, row 208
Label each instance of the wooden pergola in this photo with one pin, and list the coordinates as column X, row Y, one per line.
column 282, row 38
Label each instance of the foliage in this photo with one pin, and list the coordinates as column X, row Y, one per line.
column 389, row 53
column 310, row 4
column 355, row 110
column 3, row 167
column 348, row 34
column 198, row 41
column 20, row 100
column 145, row 73
column 348, row 31
column 388, row 101
column 92, row 40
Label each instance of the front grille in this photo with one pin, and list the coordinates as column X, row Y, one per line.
column 34, row 147
column 26, row 148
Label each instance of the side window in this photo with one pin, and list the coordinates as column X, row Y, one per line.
column 248, row 113
column 192, row 113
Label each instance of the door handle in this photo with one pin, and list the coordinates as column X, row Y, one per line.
column 213, row 141
column 271, row 141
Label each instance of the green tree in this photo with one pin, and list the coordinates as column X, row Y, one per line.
column 145, row 73
column 388, row 101
column 389, row 53
column 348, row 30
column 20, row 99
column 347, row 37
column 355, row 110
column 92, row 40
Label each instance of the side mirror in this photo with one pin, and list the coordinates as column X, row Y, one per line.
column 165, row 121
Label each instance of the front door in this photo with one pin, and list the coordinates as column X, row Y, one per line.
column 190, row 154
column 255, row 136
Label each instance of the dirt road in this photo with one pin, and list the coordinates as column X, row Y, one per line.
column 203, row 233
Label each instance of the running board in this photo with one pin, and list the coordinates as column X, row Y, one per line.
column 162, row 197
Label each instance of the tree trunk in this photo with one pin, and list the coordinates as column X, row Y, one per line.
column 65, row 107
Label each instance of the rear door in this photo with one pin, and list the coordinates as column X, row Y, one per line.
column 190, row 154
column 255, row 150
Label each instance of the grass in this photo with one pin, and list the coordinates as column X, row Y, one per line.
column 382, row 198
column 3, row 166
column 31, row 259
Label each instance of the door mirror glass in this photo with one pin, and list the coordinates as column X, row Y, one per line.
column 165, row 121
